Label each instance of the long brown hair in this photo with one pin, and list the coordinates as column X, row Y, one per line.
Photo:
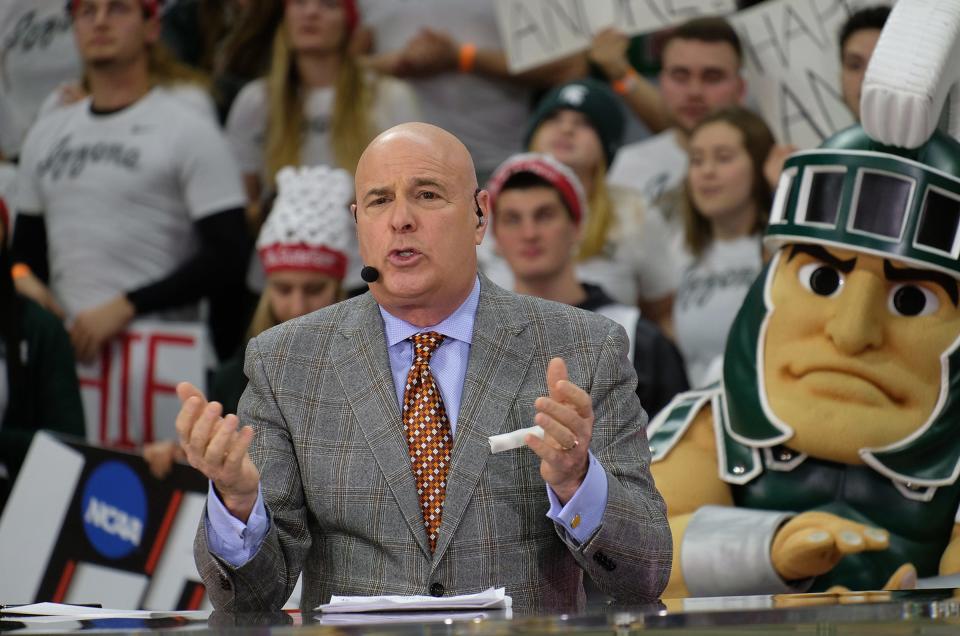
column 757, row 141
column 245, row 49
column 350, row 125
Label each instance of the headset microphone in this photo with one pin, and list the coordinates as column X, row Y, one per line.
column 369, row 274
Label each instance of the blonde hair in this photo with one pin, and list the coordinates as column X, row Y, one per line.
column 167, row 70
column 600, row 219
column 263, row 317
column 351, row 129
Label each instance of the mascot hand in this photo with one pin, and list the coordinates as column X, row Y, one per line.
column 812, row 543
column 905, row 578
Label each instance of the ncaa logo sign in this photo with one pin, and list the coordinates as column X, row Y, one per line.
column 114, row 510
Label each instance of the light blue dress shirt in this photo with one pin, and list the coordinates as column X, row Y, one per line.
column 236, row 542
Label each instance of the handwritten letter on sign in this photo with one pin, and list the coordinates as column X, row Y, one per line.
column 535, row 32
column 792, row 62
column 129, row 393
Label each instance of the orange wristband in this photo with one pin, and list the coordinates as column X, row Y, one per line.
column 625, row 84
column 19, row 270
column 467, row 57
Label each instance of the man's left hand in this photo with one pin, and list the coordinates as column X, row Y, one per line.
column 92, row 328
column 566, row 416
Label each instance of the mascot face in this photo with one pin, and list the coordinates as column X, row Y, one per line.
column 854, row 353
column 846, row 347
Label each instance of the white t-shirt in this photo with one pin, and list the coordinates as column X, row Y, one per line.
column 393, row 103
column 636, row 261
column 190, row 95
column 120, row 192
column 38, row 53
column 710, row 295
column 8, row 187
column 651, row 167
column 489, row 116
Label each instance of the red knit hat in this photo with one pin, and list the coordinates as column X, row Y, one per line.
column 309, row 227
column 351, row 11
column 352, row 14
column 561, row 177
column 152, row 7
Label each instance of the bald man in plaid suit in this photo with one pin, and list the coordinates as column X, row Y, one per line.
column 326, row 474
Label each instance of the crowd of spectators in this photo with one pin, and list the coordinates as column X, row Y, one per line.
column 149, row 141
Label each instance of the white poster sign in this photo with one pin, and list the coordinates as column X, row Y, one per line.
column 129, row 394
column 535, row 32
column 792, row 63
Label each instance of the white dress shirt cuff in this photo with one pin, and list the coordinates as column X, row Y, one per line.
column 231, row 539
column 582, row 515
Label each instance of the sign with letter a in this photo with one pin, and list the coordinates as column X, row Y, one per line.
column 791, row 57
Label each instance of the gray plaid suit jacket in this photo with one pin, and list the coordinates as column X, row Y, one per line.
column 340, row 493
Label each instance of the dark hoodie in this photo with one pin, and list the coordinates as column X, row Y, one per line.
column 42, row 387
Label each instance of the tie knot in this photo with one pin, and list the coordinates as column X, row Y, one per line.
column 424, row 344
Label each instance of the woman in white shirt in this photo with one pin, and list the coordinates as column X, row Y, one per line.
column 726, row 209
column 315, row 106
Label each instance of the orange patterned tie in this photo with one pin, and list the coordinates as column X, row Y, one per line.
column 428, row 432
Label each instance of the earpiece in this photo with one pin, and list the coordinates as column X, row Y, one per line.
column 481, row 220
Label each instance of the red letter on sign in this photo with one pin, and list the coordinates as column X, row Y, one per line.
column 124, row 441
column 103, row 385
column 150, row 387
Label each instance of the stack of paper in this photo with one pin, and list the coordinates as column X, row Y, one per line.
column 81, row 612
column 493, row 598
column 375, row 618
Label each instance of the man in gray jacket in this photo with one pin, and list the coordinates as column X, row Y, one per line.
column 365, row 461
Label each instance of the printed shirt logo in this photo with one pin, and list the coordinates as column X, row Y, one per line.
column 319, row 125
column 114, row 510
column 699, row 290
column 71, row 161
column 30, row 32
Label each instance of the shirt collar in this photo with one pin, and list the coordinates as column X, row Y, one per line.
column 458, row 325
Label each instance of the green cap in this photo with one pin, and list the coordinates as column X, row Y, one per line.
column 592, row 98
column 892, row 202
column 854, row 192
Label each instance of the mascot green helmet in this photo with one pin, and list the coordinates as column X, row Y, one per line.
column 857, row 194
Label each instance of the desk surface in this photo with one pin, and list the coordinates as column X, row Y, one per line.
column 887, row 613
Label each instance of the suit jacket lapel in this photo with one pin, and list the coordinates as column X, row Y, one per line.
column 363, row 366
column 499, row 359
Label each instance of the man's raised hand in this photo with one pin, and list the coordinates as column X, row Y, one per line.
column 218, row 447
column 566, row 416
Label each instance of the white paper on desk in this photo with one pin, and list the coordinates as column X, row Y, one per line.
column 37, row 624
column 513, row 439
column 492, row 598
column 80, row 612
column 374, row 618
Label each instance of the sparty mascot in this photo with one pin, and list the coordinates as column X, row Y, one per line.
column 829, row 453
